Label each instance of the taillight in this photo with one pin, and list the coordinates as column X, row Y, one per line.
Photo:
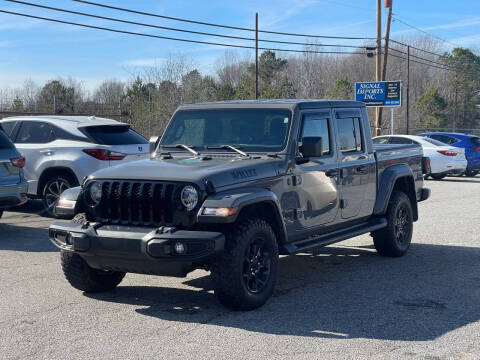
column 426, row 165
column 103, row 154
column 18, row 162
column 447, row 153
column 476, row 148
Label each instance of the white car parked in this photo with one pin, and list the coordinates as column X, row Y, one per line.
column 444, row 159
column 62, row 150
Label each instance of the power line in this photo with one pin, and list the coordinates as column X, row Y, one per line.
column 180, row 30
column 164, row 16
column 176, row 39
column 422, row 63
column 220, row 25
column 423, row 31
column 435, row 54
column 444, row 67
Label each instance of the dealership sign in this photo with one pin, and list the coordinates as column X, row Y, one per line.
column 379, row 93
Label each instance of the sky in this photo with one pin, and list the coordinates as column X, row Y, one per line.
column 41, row 50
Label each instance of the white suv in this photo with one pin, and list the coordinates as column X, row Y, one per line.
column 62, row 150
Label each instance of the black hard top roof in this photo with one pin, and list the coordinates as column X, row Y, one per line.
column 276, row 103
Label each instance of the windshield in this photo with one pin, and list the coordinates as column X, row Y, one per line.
column 247, row 129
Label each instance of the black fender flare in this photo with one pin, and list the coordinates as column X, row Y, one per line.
column 240, row 198
column 389, row 179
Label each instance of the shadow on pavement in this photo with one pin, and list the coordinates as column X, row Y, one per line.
column 462, row 180
column 23, row 238
column 341, row 292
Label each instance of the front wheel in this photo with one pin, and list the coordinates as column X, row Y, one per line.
column 83, row 277
column 244, row 275
column 394, row 240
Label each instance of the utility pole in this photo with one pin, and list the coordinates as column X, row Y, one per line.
column 408, row 88
column 256, row 56
column 455, row 108
column 378, row 63
column 388, row 4
column 54, row 104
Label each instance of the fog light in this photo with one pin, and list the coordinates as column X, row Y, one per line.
column 179, row 248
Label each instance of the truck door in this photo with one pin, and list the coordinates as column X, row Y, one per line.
column 356, row 164
column 316, row 180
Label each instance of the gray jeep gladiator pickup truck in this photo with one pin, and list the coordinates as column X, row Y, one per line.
column 230, row 186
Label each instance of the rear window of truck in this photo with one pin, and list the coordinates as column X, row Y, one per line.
column 113, row 135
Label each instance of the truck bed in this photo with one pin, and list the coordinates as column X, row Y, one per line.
column 408, row 154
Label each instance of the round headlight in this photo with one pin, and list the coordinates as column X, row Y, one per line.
column 189, row 197
column 95, row 192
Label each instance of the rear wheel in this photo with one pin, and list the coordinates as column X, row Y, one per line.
column 1, row 213
column 394, row 240
column 471, row 173
column 53, row 189
column 437, row 176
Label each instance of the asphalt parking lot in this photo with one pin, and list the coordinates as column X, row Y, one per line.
column 345, row 302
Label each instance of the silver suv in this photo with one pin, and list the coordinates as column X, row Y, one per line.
column 62, row 150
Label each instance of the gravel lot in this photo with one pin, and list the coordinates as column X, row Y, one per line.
column 345, row 302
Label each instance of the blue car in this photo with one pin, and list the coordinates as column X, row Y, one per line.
column 470, row 143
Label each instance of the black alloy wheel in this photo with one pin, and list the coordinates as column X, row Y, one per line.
column 402, row 226
column 256, row 266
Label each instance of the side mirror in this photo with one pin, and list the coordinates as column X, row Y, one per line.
column 153, row 143
column 311, row 146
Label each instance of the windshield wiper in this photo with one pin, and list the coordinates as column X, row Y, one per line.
column 182, row 146
column 230, row 147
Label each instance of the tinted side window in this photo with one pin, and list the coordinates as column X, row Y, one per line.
column 350, row 134
column 444, row 139
column 380, row 140
column 317, row 127
column 33, row 132
column 400, row 140
column 8, row 127
column 5, row 142
column 61, row 134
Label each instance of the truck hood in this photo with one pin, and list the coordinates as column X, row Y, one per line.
column 221, row 171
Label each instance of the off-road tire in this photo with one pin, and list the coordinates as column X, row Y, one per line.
column 1, row 213
column 471, row 173
column 67, row 180
column 386, row 240
column 437, row 176
column 83, row 277
column 228, row 277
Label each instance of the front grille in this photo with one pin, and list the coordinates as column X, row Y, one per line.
column 141, row 203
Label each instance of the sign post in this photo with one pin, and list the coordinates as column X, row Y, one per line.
column 380, row 94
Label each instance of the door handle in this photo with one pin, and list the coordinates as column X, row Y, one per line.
column 362, row 169
column 332, row 172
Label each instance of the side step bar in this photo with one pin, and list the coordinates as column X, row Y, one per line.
column 327, row 239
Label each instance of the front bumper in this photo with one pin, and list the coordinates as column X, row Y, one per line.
column 133, row 249
column 13, row 195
